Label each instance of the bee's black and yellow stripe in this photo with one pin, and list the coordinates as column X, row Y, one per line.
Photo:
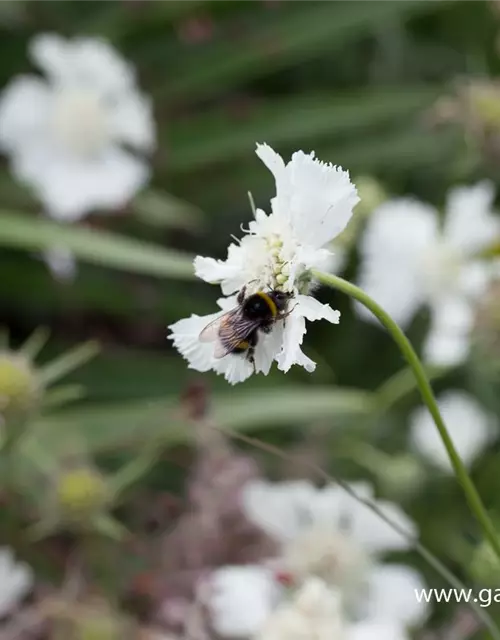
column 269, row 301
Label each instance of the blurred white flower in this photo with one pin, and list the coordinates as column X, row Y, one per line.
column 240, row 599
column 313, row 204
column 329, row 534
column 70, row 136
column 16, row 580
column 408, row 260
column 61, row 263
column 470, row 428
column 314, row 613
column 375, row 630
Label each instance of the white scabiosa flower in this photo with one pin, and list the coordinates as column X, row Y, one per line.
column 409, row 260
column 16, row 580
column 314, row 613
column 70, row 135
column 470, row 427
column 240, row 599
column 313, row 204
column 328, row 534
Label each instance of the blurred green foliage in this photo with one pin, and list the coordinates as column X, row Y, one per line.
column 356, row 82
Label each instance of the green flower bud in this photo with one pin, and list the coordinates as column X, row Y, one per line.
column 19, row 387
column 485, row 565
column 484, row 100
column 81, row 494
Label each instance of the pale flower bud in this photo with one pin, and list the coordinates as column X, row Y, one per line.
column 81, row 494
column 19, row 388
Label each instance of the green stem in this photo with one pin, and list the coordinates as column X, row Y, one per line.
column 408, row 352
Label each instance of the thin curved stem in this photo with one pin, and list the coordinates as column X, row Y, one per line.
column 428, row 397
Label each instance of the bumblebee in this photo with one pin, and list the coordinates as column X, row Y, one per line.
column 237, row 331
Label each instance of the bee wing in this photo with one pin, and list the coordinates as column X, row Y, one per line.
column 211, row 332
column 228, row 331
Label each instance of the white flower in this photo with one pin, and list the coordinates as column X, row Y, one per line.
column 314, row 613
column 16, row 580
column 69, row 136
column 329, row 534
column 470, row 428
column 313, row 204
column 408, row 260
column 241, row 599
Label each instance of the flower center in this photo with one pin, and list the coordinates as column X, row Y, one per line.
column 440, row 269
column 80, row 122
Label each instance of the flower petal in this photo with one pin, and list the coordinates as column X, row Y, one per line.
column 229, row 273
column 70, row 187
column 131, row 122
column 83, row 62
column 392, row 595
column 277, row 509
column 375, row 630
column 185, row 335
column 293, row 336
column 363, row 524
column 470, row 428
column 470, row 223
column 241, row 599
column 448, row 342
column 24, row 108
column 397, row 235
column 312, row 309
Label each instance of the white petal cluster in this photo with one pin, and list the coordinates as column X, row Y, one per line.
column 313, row 204
column 330, row 548
column 470, row 428
column 69, row 135
column 409, row 260
column 314, row 613
column 16, row 580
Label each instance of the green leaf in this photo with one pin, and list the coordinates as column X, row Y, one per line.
column 218, row 136
column 131, row 423
column 96, row 246
column 165, row 211
column 304, row 32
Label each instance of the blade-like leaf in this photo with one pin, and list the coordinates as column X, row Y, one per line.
column 163, row 210
column 217, row 136
column 123, row 424
column 99, row 247
column 280, row 41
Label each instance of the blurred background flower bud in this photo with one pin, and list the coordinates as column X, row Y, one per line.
column 81, row 494
column 20, row 390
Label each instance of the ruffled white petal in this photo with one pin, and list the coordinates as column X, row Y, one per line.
column 392, row 595
column 185, row 334
column 470, row 223
column 241, row 599
column 70, row 187
column 317, row 198
column 470, row 428
column 448, row 342
column 24, row 108
column 306, row 307
column 230, row 273
column 397, row 235
column 281, row 510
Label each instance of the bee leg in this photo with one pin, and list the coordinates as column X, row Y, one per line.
column 284, row 316
column 251, row 358
column 241, row 296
